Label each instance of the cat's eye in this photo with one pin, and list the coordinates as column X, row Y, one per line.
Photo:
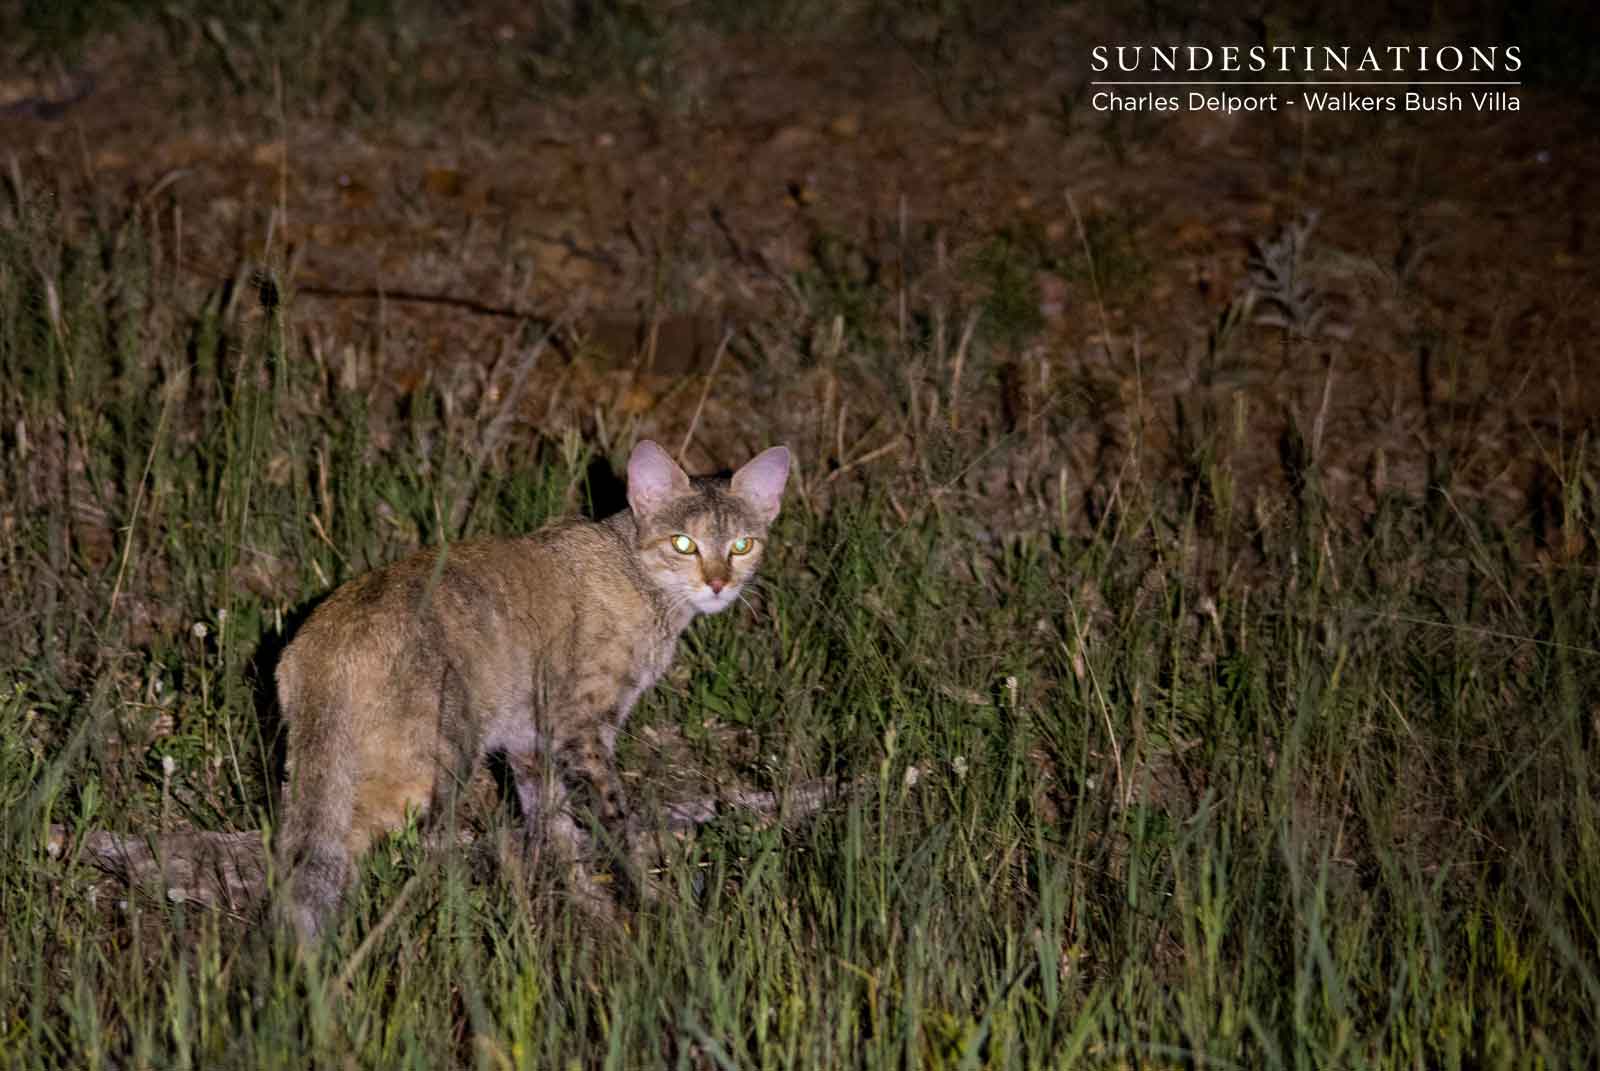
column 683, row 544
column 742, row 545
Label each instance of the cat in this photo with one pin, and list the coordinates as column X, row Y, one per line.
column 534, row 649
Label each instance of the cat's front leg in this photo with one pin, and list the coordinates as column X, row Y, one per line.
column 548, row 822
column 556, row 784
column 590, row 769
column 591, row 775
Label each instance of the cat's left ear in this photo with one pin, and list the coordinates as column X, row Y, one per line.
column 760, row 482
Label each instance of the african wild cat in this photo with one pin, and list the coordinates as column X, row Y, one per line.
column 535, row 648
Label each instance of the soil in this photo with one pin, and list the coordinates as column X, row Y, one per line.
column 744, row 235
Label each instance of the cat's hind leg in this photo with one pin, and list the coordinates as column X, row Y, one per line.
column 364, row 761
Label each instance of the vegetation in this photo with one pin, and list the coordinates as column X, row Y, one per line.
column 1156, row 774
column 1342, row 814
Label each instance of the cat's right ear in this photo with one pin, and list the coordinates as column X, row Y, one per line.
column 654, row 479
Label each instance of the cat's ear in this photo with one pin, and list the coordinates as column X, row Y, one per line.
column 654, row 479
column 760, row 482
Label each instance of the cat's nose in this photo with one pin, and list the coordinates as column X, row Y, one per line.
column 716, row 584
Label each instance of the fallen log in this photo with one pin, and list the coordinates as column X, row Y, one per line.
column 228, row 870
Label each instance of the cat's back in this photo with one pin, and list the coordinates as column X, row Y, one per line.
column 502, row 589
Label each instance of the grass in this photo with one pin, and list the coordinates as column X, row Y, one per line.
column 1172, row 780
column 1128, row 808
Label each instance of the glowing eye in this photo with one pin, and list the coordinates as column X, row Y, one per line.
column 742, row 545
column 683, row 544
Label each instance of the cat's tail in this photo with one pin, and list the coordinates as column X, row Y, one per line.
column 226, row 870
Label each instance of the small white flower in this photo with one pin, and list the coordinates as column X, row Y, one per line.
column 200, row 631
column 168, row 766
column 913, row 775
column 959, row 765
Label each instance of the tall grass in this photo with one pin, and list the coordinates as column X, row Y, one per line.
column 1177, row 789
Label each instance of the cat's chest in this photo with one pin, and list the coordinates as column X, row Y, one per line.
column 614, row 668
column 651, row 660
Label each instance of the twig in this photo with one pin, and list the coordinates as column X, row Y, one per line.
column 1124, row 791
column 893, row 444
column 961, row 359
column 1320, row 423
column 138, row 498
column 799, row 800
column 502, row 418
column 1094, row 274
column 364, row 949
column 694, row 421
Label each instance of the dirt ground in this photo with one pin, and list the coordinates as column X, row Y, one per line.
column 916, row 234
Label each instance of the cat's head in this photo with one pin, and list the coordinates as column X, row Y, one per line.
column 701, row 538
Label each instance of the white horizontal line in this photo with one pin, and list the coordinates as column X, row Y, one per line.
column 1399, row 82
